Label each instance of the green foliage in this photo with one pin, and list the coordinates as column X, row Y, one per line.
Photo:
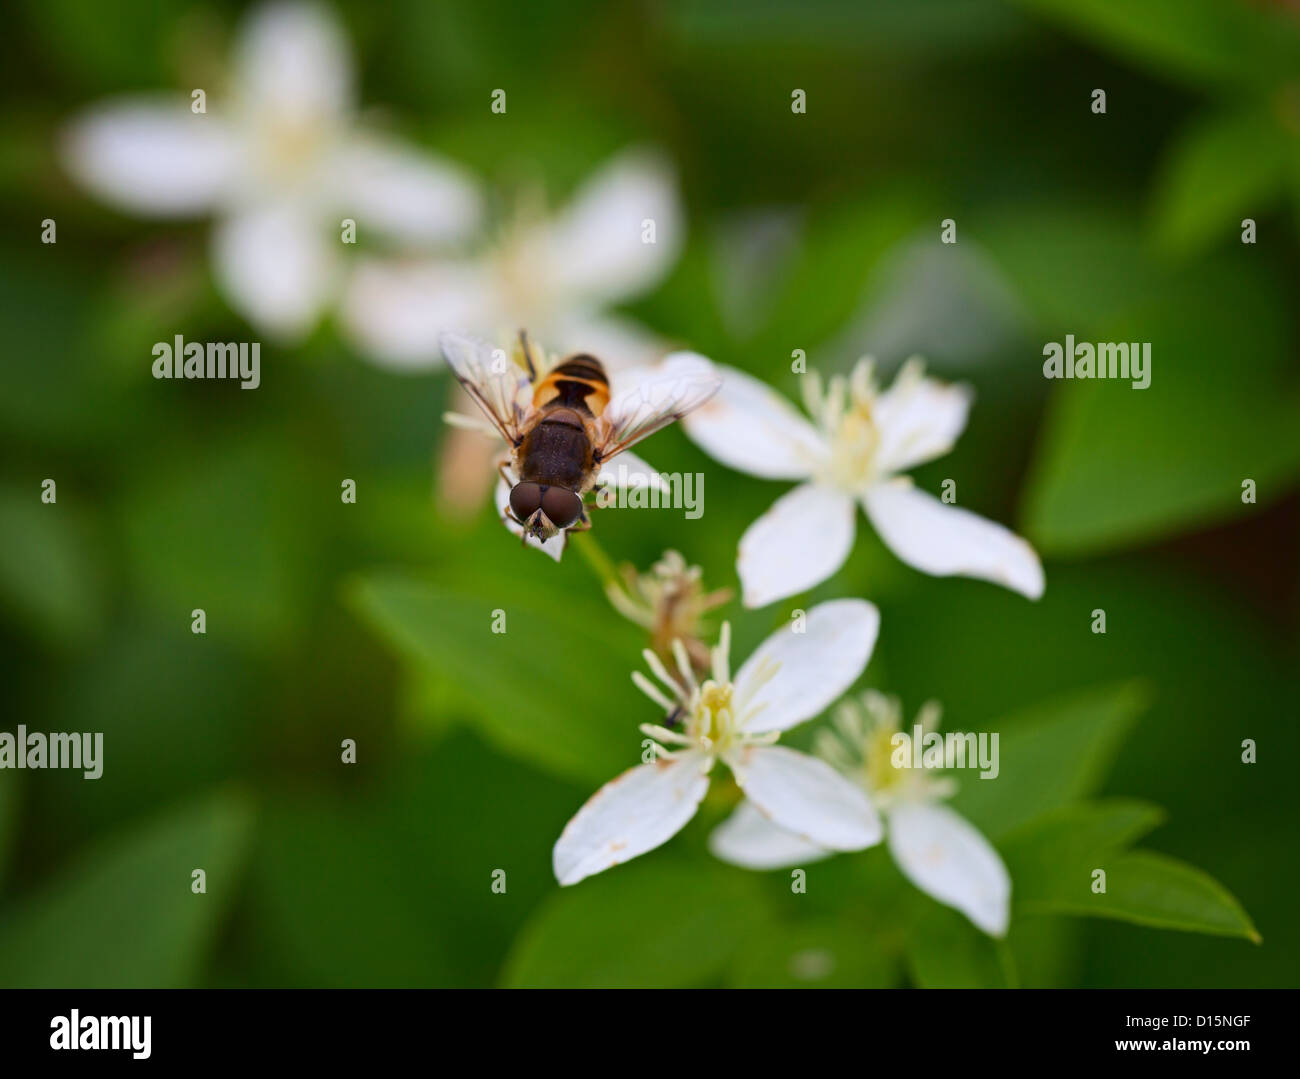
column 656, row 923
column 1050, row 755
column 575, row 727
column 48, row 580
column 1215, row 40
column 825, row 953
column 944, row 951
column 123, row 915
column 1223, row 169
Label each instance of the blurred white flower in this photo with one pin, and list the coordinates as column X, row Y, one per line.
column 937, row 849
column 279, row 163
column 616, row 239
column 791, row 678
column 852, row 452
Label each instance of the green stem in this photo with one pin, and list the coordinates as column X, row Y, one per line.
column 594, row 555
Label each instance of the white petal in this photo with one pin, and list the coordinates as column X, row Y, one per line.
column 292, row 64
column 753, row 429
column 394, row 312
column 151, row 156
column 918, row 419
column 640, row 810
column 806, row 796
column 812, row 668
column 276, row 266
column 803, row 539
column 748, row 839
column 595, row 251
column 553, row 546
column 945, row 856
column 942, row 540
column 627, row 470
column 395, row 189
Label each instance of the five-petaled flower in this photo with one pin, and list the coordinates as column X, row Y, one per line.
column 852, row 452
column 280, row 162
column 793, row 676
column 937, row 849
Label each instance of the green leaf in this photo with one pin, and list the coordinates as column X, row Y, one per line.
column 553, row 689
column 1119, row 465
column 652, row 924
column 48, row 580
column 123, row 915
column 829, row 953
column 1226, row 167
column 1215, row 40
column 1067, row 843
column 1084, row 829
column 944, row 951
column 1050, row 754
column 1151, row 889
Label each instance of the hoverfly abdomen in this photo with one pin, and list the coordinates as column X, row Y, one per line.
column 579, row 382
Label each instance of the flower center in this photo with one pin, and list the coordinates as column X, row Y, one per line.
column 882, row 773
column 714, row 713
column 853, row 448
column 845, row 412
column 862, row 747
column 289, row 147
column 713, row 722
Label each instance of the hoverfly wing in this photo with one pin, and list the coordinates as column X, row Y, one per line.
column 683, row 382
column 492, row 378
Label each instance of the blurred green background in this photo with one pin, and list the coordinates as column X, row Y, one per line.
column 370, row 621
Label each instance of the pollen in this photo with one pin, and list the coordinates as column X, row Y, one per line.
column 713, row 721
column 845, row 411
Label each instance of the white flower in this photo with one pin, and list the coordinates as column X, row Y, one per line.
column 937, row 849
column 859, row 441
column 279, row 163
column 791, row 678
column 554, row 276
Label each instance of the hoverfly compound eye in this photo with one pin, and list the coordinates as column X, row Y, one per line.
column 562, row 506
column 525, row 499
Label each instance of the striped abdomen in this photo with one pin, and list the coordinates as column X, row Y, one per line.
column 578, row 383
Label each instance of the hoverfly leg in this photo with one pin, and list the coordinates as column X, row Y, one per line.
column 526, row 347
column 673, row 718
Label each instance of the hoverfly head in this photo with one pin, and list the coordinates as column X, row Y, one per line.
column 544, row 510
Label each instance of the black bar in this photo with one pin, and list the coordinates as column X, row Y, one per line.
column 340, row 1027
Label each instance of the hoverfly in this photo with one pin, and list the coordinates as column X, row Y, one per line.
column 561, row 424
